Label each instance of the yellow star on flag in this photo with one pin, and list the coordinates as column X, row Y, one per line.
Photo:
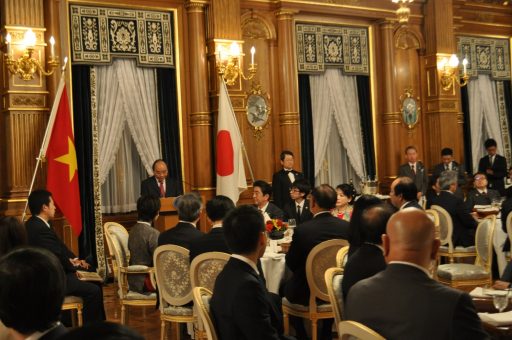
column 69, row 159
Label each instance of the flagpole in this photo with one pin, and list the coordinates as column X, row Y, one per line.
column 238, row 130
column 49, row 127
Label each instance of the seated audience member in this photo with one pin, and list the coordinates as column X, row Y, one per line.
column 143, row 241
column 159, row 185
column 299, row 209
column 240, row 304
column 404, row 194
column 32, row 289
column 402, row 301
column 40, row 234
column 434, row 190
column 448, row 163
column 216, row 210
column 283, row 179
column 103, row 331
column 354, row 234
column 321, row 228
column 464, row 224
column 345, row 199
column 368, row 260
column 262, row 191
column 480, row 194
column 494, row 166
column 12, row 234
column 189, row 210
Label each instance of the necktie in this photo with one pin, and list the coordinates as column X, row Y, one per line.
column 446, row 167
column 298, row 213
column 162, row 190
column 413, row 169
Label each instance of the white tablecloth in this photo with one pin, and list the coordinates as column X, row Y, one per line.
column 273, row 265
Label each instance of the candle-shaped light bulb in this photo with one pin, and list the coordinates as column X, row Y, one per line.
column 465, row 66
column 253, row 51
column 30, row 38
column 8, row 40
column 52, row 47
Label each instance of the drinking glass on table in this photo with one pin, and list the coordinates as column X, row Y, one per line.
column 500, row 301
column 291, row 227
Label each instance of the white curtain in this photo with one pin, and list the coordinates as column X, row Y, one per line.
column 483, row 115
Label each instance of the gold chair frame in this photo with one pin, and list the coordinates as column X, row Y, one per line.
column 73, row 303
column 204, row 313
column 349, row 329
column 330, row 274
column 340, row 257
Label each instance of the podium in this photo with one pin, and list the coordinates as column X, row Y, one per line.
column 168, row 214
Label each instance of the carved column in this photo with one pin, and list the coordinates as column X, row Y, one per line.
column 288, row 97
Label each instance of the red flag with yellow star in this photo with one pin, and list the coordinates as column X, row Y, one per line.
column 62, row 179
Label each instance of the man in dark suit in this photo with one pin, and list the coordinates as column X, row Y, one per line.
column 495, row 166
column 448, row 163
column 283, row 179
column 159, row 185
column 480, row 194
column 414, row 169
column 321, row 228
column 464, row 224
column 299, row 209
column 32, row 289
column 41, row 234
column 261, row 195
column 216, row 209
column 404, row 194
column 405, row 302
column 368, row 259
column 189, row 210
column 240, row 304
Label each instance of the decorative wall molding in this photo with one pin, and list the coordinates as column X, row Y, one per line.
column 100, row 33
column 485, row 56
column 321, row 46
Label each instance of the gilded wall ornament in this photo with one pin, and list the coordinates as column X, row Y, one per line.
column 410, row 109
column 258, row 109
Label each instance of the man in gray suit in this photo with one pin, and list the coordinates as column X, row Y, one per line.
column 402, row 301
column 415, row 170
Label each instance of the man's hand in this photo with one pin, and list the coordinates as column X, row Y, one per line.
column 489, row 171
column 76, row 262
column 501, row 285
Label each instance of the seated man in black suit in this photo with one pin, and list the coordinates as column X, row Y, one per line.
column 368, row 259
column 283, row 179
column 464, row 224
column 32, row 287
column 321, row 228
column 480, row 194
column 240, row 304
column 189, row 208
column 448, row 163
column 159, row 185
column 494, row 166
column 299, row 208
column 402, row 301
column 216, row 209
column 414, row 169
column 262, row 191
column 404, row 194
column 41, row 234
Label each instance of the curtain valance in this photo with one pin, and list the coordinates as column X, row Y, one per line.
column 485, row 56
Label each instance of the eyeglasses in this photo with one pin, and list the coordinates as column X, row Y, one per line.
column 294, row 190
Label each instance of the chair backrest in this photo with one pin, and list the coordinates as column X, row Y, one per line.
column 509, row 227
column 341, row 257
column 351, row 329
column 434, row 216
column 117, row 240
column 483, row 242
column 321, row 258
column 202, row 298
column 445, row 227
column 334, row 280
column 205, row 268
column 172, row 271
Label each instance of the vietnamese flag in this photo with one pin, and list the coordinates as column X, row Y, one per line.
column 62, row 179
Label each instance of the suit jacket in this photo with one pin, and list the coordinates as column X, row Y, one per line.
column 461, row 171
column 290, row 211
column 149, row 187
column 142, row 243
column 367, row 261
column 274, row 211
column 281, row 185
column 181, row 235
column 464, row 225
column 420, row 179
column 413, row 204
column 321, row 228
column 402, row 302
column 213, row 241
column 240, row 305
column 499, row 168
column 476, row 198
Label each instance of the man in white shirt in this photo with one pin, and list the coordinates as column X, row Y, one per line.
column 262, row 191
column 403, row 194
column 415, row 170
column 480, row 194
column 299, row 208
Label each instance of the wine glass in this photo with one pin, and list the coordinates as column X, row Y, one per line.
column 500, row 301
column 291, row 227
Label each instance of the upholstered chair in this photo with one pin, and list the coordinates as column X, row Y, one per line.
column 350, row 330
column 341, row 257
column 334, row 281
column 202, row 298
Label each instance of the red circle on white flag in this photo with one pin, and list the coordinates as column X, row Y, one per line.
column 225, row 154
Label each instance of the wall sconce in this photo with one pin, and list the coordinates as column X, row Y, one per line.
column 449, row 75
column 229, row 62
column 403, row 12
column 26, row 65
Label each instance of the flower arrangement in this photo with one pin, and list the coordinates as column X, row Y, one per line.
column 275, row 228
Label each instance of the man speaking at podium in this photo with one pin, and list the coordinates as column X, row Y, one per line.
column 159, row 185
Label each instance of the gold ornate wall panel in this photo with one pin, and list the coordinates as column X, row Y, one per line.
column 100, row 33
column 321, row 46
column 485, row 56
column 28, row 13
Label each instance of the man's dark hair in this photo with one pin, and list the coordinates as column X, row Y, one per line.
column 407, row 188
column 447, row 152
column 363, row 202
column 349, row 191
column 490, row 142
column 32, row 288
column 373, row 222
column 103, row 331
column 325, row 196
column 188, row 206
column 284, row 153
column 37, row 199
column 157, row 161
column 218, row 207
column 266, row 188
column 12, row 234
column 302, row 185
column 242, row 228
column 147, row 208
column 410, row 147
